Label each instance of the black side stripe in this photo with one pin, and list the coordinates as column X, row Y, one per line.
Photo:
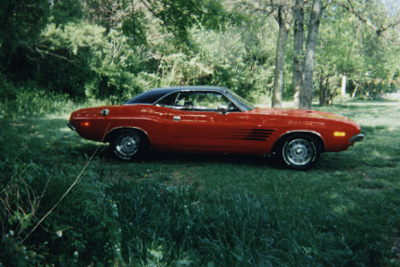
column 252, row 134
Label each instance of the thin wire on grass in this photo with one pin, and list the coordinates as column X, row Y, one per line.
column 78, row 178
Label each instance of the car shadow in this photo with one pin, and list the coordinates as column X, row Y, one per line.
column 152, row 156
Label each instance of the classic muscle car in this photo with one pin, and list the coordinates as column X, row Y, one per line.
column 205, row 119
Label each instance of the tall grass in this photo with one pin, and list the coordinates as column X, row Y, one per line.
column 197, row 210
column 192, row 228
column 34, row 103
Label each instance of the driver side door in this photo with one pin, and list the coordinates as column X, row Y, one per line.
column 208, row 122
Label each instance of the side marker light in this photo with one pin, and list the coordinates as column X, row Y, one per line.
column 339, row 134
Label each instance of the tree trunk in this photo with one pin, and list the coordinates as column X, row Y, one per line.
column 325, row 96
column 307, row 93
column 298, row 51
column 284, row 19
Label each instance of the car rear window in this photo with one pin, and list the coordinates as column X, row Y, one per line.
column 148, row 97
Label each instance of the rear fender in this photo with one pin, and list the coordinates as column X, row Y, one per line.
column 114, row 132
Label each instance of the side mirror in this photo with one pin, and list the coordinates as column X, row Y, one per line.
column 223, row 109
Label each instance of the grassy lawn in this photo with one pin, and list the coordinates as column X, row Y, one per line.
column 199, row 210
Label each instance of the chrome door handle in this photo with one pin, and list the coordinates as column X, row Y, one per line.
column 176, row 118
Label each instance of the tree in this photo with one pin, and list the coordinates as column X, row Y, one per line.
column 176, row 17
column 302, row 70
column 368, row 12
column 306, row 94
column 298, row 43
column 284, row 18
column 283, row 15
column 358, row 40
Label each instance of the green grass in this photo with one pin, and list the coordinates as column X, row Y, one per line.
column 200, row 210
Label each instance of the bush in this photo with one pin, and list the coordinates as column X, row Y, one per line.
column 7, row 89
column 28, row 101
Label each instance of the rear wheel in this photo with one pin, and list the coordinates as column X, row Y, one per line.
column 300, row 152
column 128, row 144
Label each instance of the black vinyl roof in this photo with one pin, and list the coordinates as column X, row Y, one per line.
column 153, row 95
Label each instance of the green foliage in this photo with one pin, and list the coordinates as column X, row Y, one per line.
column 134, row 27
column 116, row 67
column 116, row 49
column 20, row 24
column 179, row 16
column 7, row 89
column 240, row 59
column 28, row 101
column 176, row 15
column 66, row 55
column 64, row 11
column 349, row 47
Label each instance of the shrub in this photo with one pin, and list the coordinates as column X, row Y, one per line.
column 28, row 101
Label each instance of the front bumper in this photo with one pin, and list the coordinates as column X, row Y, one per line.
column 72, row 127
column 356, row 138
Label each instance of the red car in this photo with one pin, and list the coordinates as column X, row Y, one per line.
column 206, row 119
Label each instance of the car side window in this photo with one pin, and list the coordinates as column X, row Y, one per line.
column 203, row 101
column 184, row 101
column 168, row 101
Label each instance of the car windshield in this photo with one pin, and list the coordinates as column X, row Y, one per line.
column 240, row 101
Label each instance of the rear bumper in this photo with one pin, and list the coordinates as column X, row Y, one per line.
column 71, row 126
column 356, row 138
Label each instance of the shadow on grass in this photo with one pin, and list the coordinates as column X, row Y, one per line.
column 157, row 157
column 371, row 153
column 328, row 162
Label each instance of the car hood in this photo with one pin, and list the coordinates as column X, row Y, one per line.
column 301, row 113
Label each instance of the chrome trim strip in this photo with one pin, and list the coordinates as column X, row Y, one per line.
column 209, row 90
column 304, row 132
column 71, row 126
column 125, row 127
column 356, row 138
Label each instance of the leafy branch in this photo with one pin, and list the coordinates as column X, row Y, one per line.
column 348, row 5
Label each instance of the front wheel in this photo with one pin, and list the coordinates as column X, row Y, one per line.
column 127, row 145
column 300, row 152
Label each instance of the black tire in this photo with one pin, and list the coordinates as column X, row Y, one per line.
column 300, row 151
column 128, row 144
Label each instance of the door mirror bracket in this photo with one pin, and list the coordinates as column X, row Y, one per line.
column 223, row 109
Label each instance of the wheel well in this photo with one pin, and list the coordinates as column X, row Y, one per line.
column 315, row 136
column 114, row 133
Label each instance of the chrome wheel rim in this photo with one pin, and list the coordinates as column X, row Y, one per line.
column 299, row 152
column 128, row 144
